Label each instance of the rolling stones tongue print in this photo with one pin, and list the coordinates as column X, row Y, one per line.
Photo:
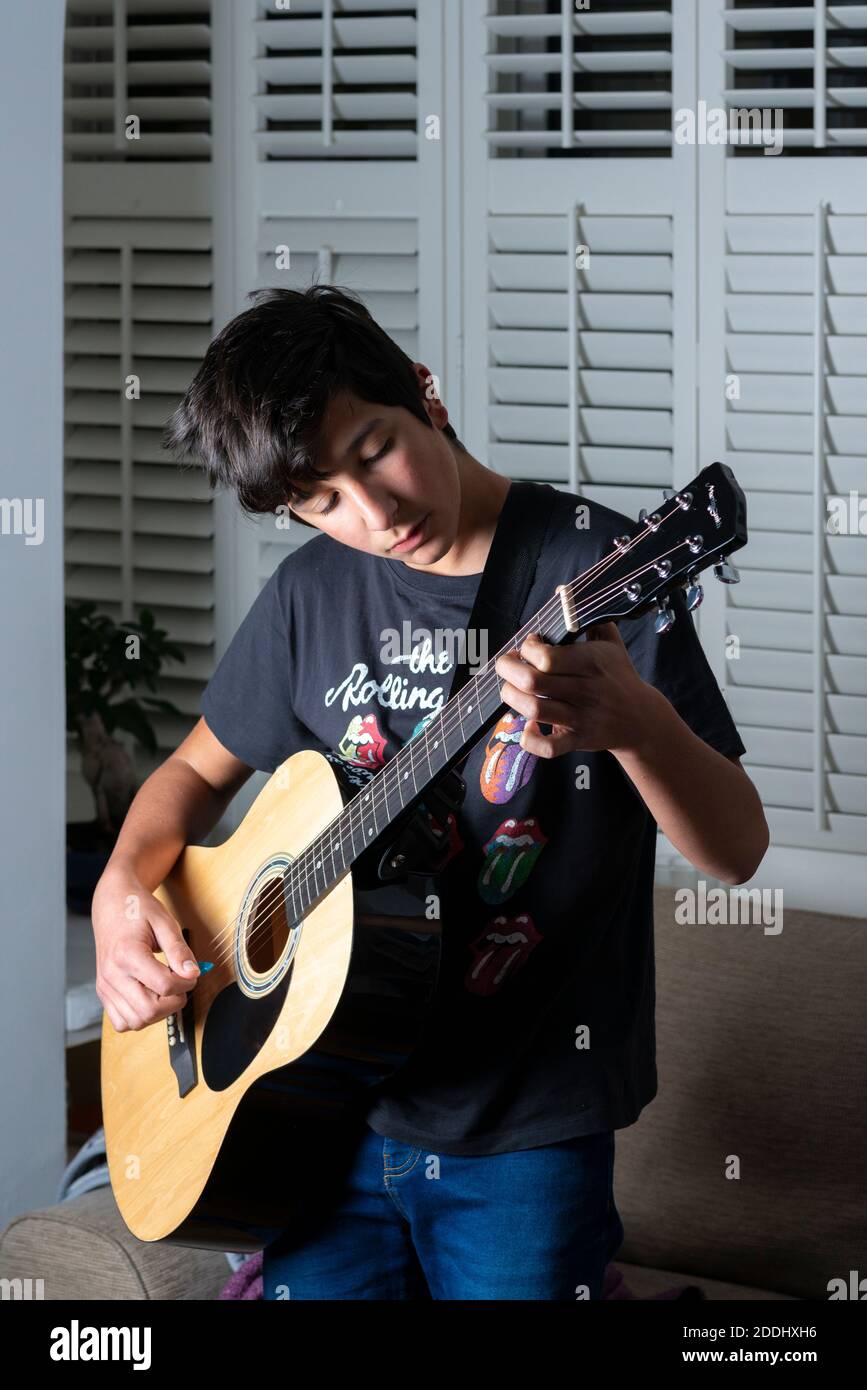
column 363, row 743
column 454, row 844
column 510, row 855
column 499, row 951
column 506, row 766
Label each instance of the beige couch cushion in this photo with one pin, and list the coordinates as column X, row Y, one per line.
column 82, row 1250
column 647, row 1283
column 762, row 1054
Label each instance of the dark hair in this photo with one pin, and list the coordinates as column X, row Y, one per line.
column 253, row 413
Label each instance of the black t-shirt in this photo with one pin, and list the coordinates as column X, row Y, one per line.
column 544, row 1025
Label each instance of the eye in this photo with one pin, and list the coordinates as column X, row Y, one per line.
column 374, row 458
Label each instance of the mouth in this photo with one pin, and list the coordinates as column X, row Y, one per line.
column 506, row 767
column 499, row 951
column 412, row 538
column 510, row 855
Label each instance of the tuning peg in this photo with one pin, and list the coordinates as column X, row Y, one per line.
column 664, row 617
column 725, row 572
column 693, row 593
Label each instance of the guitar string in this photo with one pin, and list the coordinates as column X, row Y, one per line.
column 485, row 681
column 264, row 910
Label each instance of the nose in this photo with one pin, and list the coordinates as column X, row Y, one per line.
column 375, row 505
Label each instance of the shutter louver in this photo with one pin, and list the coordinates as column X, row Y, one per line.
column 772, row 685
column 624, row 354
column 337, row 81
column 809, row 60
column 156, row 65
column 610, row 96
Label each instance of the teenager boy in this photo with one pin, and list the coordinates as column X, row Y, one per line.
column 485, row 1166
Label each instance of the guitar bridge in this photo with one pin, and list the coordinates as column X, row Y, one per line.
column 180, row 1032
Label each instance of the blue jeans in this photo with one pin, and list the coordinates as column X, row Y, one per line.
column 405, row 1222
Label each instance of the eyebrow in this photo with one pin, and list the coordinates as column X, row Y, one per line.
column 362, row 434
column 354, row 444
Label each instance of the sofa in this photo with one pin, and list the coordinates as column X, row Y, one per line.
column 746, row 1176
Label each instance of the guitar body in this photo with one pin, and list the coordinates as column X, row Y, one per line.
column 210, row 1115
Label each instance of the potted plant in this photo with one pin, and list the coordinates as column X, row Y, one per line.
column 105, row 663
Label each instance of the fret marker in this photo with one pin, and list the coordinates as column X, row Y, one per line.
column 436, row 743
column 469, row 707
column 405, row 775
column 370, row 832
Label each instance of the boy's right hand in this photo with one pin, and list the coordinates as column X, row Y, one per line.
column 129, row 925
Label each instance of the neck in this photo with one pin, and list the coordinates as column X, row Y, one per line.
column 482, row 494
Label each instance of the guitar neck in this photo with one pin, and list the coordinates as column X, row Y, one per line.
column 696, row 528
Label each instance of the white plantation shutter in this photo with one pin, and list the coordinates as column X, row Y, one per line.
column 579, row 359
column 799, row 687
column 148, row 58
column 139, row 529
column 605, row 88
column 336, row 79
column 810, row 60
column 614, row 366
column 139, row 301
column 610, row 380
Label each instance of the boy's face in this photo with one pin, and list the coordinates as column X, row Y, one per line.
column 391, row 473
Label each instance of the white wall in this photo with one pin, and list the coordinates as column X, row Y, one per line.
column 32, row 747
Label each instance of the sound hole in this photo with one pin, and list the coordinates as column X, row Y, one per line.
column 267, row 927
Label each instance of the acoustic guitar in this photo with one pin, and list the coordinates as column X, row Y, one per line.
column 318, row 919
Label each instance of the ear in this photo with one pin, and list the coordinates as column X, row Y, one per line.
column 429, row 388
column 423, row 374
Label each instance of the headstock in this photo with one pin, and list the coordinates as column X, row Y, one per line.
column 694, row 528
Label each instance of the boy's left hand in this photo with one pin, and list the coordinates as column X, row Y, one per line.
column 589, row 692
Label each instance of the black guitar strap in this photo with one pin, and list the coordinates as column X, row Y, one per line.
column 510, row 568
column 500, row 598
